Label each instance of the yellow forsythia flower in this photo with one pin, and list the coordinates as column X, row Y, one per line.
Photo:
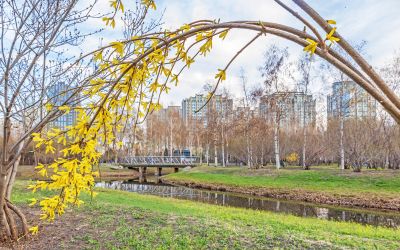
column 185, row 27
column 34, row 230
column 118, row 46
column 311, row 47
column 330, row 36
column 221, row 74
column 48, row 106
column 33, row 202
column 223, row 34
column 331, row 21
column 149, row 4
column 65, row 108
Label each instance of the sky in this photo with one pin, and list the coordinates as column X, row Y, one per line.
column 376, row 22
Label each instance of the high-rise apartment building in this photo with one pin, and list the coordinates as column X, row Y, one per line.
column 291, row 109
column 167, row 113
column 57, row 95
column 352, row 100
column 220, row 105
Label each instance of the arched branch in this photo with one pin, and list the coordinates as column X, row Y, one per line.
column 353, row 53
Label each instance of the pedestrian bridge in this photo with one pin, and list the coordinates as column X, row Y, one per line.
column 143, row 162
column 159, row 161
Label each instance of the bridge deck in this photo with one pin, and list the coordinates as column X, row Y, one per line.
column 159, row 161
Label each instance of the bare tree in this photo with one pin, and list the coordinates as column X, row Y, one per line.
column 36, row 41
column 304, row 68
column 246, row 102
column 343, row 104
column 272, row 71
column 34, row 37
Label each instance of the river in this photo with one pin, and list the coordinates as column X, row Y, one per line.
column 153, row 186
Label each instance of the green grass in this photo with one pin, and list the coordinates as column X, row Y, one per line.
column 121, row 220
column 107, row 171
column 378, row 182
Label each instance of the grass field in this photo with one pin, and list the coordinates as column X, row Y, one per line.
column 121, row 220
column 107, row 171
column 378, row 189
column 382, row 182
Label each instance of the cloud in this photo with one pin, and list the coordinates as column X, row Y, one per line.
column 374, row 21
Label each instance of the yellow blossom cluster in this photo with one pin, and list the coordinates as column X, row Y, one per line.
column 130, row 78
column 329, row 40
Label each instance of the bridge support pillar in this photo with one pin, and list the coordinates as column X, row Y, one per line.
column 142, row 171
column 158, row 171
column 176, row 170
column 142, row 179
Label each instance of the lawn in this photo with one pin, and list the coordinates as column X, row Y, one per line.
column 328, row 180
column 122, row 220
column 370, row 188
column 108, row 171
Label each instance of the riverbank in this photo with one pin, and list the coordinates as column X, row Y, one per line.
column 117, row 219
column 107, row 172
column 377, row 189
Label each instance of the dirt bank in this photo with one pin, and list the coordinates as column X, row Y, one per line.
column 106, row 173
column 360, row 201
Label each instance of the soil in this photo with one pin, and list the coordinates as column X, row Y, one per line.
column 28, row 172
column 371, row 201
column 50, row 235
column 72, row 230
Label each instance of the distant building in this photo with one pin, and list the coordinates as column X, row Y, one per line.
column 191, row 105
column 354, row 100
column 218, row 103
column 170, row 111
column 241, row 112
column 292, row 109
column 162, row 128
column 165, row 115
column 57, row 95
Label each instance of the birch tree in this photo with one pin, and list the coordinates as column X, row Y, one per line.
column 304, row 68
column 246, row 102
column 344, row 104
column 272, row 71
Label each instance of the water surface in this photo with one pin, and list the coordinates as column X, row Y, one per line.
column 154, row 187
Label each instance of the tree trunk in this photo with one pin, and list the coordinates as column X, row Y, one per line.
column 201, row 155
column 341, row 121
column 11, row 176
column 341, row 142
column 227, row 153
column 304, row 132
column 304, row 147
column 262, row 154
column 248, row 149
column 208, row 154
column 21, row 216
column 276, row 144
column 251, row 155
column 11, row 179
column 215, row 154
column 11, row 222
column 170, row 138
column 223, row 146
column 3, row 221
column 223, row 154
column 387, row 161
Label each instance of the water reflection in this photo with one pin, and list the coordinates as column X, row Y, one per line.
column 230, row 199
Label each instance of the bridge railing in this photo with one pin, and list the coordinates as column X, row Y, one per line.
column 159, row 160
